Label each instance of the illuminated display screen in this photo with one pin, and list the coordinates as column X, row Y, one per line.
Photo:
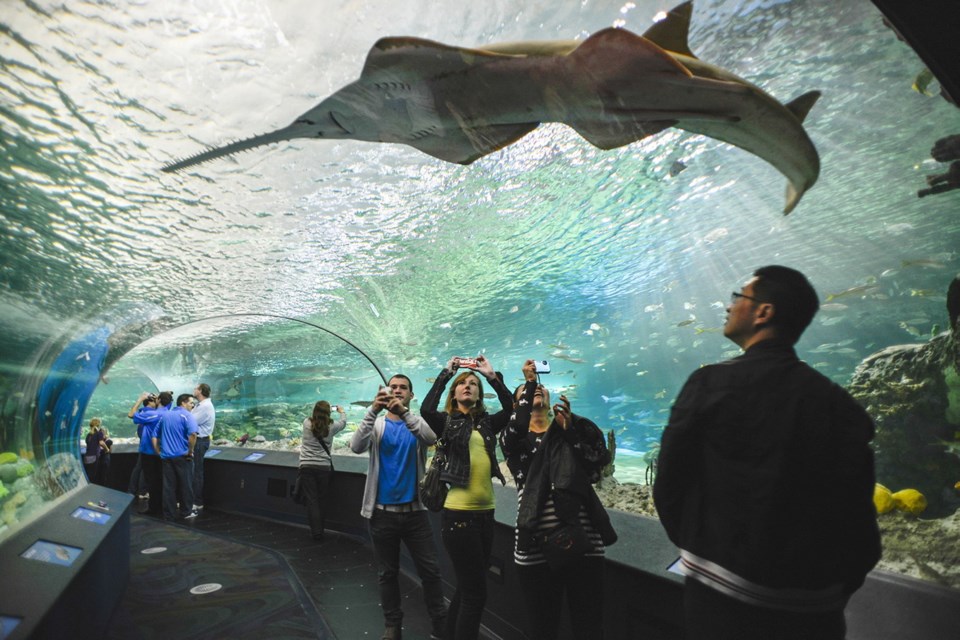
column 51, row 552
column 254, row 456
column 89, row 515
column 211, row 452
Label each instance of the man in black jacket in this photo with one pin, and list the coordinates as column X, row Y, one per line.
column 765, row 479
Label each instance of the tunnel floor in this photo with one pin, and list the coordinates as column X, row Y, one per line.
column 274, row 582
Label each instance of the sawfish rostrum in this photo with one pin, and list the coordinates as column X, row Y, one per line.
column 614, row 88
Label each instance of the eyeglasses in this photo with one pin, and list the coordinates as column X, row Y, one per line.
column 736, row 296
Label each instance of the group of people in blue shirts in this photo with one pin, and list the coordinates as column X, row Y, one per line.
column 168, row 440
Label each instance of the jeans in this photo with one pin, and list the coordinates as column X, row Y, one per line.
column 199, row 450
column 388, row 530
column 315, row 482
column 709, row 614
column 468, row 539
column 153, row 472
column 177, row 487
column 543, row 592
column 138, row 480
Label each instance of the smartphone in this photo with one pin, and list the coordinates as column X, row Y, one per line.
column 468, row 363
column 541, row 366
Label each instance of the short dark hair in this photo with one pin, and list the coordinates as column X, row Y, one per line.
column 165, row 397
column 204, row 389
column 400, row 375
column 183, row 397
column 794, row 299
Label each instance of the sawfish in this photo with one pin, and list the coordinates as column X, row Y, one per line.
column 613, row 88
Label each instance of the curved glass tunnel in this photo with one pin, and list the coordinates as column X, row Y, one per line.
column 615, row 266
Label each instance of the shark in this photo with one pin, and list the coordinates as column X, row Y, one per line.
column 613, row 88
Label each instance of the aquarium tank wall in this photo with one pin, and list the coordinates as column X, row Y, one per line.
column 312, row 269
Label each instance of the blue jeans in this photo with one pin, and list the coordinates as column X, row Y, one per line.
column 177, row 487
column 468, row 538
column 388, row 530
column 199, row 450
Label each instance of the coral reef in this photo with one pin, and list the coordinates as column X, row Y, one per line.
column 910, row 391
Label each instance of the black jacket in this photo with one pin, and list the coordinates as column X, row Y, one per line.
column 568, row 463
column 453, row 432
column 765, row 471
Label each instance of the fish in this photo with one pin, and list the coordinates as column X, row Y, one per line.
column 861, row 290
column 361, row 403
column 932, row 264
column 615, row 87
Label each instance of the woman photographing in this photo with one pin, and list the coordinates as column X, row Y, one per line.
column 562, row 528
column 467, row 434
column 316, row 463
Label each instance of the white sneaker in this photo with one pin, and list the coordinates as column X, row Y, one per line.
column 192, row 514
column 197, row 507
column 144, row 496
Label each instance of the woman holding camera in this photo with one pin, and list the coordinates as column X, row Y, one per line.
column 316, row 463
column 467, row 435
column 562, row 528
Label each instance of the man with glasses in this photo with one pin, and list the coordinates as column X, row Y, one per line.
column 765, row 479
column 397, row 442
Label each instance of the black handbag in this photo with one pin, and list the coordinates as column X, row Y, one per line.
column 433, row 490
column 564, row 545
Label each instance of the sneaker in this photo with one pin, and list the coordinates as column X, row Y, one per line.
column 391, row 633
column 193, row 514
column 197, row 507
column 144, row 496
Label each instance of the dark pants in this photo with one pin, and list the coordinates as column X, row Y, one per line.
column 177, row 487
column 543, row 592
column 153, row 472
column 315, row 482
column 711, row 615
column 138, row 480
column 468, row 539
column 199, row 450
column 388, row 530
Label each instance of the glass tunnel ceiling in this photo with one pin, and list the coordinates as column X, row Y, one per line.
column 615, row 265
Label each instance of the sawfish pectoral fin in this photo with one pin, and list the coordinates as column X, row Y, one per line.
column 464, row 145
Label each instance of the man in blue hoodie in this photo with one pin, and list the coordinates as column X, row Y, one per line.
column 175, row 438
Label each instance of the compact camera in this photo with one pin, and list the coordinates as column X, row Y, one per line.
column 541, row 366
column 468, row 363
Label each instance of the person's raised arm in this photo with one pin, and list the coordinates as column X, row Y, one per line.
column 361, row 438
column 428, row 408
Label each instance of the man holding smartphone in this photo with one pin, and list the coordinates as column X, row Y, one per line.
column 397, row 442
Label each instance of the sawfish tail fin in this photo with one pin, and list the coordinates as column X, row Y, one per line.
column 287, row 133
column 799, row 107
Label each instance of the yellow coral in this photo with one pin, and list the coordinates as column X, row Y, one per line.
column 910, row 500
column 882, row 498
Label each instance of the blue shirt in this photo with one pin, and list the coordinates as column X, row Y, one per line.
column 146, row 420
column 173, row 431
column 397, row 479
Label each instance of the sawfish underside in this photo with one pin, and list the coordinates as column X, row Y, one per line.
column 614, row 88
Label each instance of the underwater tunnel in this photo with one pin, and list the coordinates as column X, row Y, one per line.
column 313, row 269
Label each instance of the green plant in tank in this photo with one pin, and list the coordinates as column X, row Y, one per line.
column 24, row 469
column 7, row 457
column 610, row 467
column 3, row 490
column 650, row 458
